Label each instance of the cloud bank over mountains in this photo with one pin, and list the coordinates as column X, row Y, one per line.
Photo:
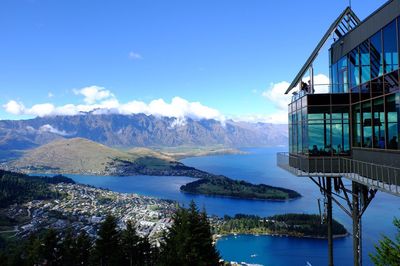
column 102, row 101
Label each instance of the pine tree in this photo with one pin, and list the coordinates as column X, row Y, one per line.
column 388, row 251
column 107, row 247
column 83, row 246
column 188, row 241
column 48, row 249
column 130, row 245
column 68, row 249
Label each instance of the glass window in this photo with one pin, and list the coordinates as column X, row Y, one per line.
column 346, row 138
column 304, row 102
column 357, row 125
column 340, row 130
column 365, row 62
column 299, row 132
column 379, row 124
column 316, row 135
column 304, row 133
column 294, row 132
column 377, row 86
column 391, row 59
column 291, row 133
column 367, row 125
column 342, row 76
column 376, row 55
column 334, row 78
column 393, row 109
column 391, row 82
column 319, row 131
column 354, row 68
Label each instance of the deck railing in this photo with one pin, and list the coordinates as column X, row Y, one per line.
column 385, row 178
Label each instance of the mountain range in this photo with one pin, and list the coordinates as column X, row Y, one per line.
column 138, row 130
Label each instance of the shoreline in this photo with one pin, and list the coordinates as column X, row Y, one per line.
column 239, row 198
column 216, row 237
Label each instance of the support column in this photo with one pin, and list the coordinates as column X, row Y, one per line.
column 356, row 224
column 329, row 220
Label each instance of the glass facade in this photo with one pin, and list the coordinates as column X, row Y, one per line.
column 318, row 128
column 370, row 69
column 362, row 109
column 370, row 74
column 392, row 103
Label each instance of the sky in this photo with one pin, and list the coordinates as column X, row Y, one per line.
column 220, row 59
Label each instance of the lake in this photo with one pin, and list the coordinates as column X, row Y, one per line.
column 259, row 166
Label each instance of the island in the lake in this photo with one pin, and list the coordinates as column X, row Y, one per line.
column 292, row 224
column 85, row 157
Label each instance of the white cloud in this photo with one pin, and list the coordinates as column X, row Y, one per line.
column 279, row 117
column 50, row 95
column 94, row 94
column 101, row 101
column 178, row 122
column 134, row 55
column 321, row 83
column 276, row 92
column 44, row 109
column 49, row 128
column 14, row 107
column 276, row 95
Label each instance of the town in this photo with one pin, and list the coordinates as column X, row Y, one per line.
column 83, row 207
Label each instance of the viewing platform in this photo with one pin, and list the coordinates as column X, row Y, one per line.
column 375, row 176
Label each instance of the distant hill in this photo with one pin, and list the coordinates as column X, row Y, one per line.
column 139, row 130
column 83, row 156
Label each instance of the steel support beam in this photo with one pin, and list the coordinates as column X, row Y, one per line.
column 329, row 220
column 361, row 198
column 356, row 224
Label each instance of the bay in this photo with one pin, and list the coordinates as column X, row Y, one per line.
column 259, row 166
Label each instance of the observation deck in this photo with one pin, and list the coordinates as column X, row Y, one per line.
column 375, row 176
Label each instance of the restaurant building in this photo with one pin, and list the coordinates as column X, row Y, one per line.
column 352, row 131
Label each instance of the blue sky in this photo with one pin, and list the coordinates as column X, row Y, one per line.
column 227, row 55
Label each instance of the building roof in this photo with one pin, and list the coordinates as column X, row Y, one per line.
column 344, row 23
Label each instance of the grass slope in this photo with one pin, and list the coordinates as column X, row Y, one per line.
column 80, row 155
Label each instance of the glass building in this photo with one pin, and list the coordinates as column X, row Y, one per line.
column 352, row 132
column 360, row 114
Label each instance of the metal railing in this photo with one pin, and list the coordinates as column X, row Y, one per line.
column 309, row 166
column 379, row 176
column 382, row 177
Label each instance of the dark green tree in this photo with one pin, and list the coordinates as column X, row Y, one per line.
column 189, row 240
column 40, row 249
column 130, row 245
column 388, row 251
column 107, row 247
column 83, row 246
column 68, row 249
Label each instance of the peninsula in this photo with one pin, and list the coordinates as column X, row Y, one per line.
column 291, row 224
column 85, row 157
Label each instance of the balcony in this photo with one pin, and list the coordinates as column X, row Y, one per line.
column 381, row 177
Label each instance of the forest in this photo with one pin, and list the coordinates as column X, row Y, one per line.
column 19, row 188
column 223, row 186
column 301, row 225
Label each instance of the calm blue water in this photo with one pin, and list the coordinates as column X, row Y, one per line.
column 259, row 166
